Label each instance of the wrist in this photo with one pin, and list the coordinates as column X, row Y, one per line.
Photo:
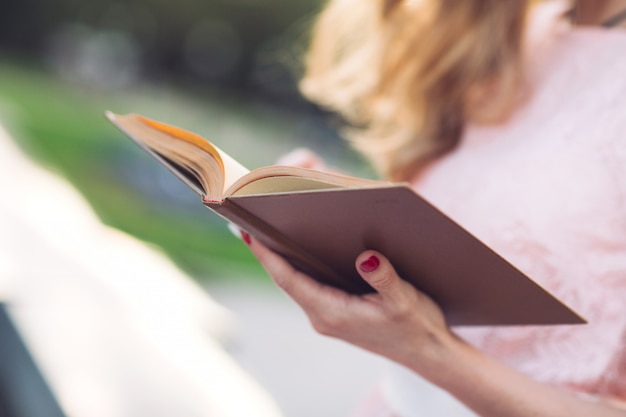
column 443, row 360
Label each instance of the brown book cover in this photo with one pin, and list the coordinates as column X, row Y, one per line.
column 320, row 222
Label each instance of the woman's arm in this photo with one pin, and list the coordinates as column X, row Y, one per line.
column 406, row 326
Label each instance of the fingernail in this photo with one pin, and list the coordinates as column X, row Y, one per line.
column 246, row 238
column 370, row 264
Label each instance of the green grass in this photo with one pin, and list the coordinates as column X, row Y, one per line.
column 63, row 127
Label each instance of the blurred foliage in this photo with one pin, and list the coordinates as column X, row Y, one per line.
column 63, row 127
column 219, row 42
column 223, row 69
column 65, row 130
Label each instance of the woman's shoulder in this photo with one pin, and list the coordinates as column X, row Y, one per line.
column 573, row 71
column 551, row 37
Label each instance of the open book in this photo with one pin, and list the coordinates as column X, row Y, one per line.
column 321, row 221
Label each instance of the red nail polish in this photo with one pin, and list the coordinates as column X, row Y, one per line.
column 246, row 238
column 370, row 265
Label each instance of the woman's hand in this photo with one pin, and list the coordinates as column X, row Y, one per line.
column 406, row 326
column 303, row 158
column 396, row 321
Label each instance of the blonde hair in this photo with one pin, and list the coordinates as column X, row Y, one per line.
column 408, row 74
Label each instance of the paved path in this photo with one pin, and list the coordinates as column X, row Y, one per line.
column 307, row 374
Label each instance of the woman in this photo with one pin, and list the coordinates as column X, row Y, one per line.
column 512, row 122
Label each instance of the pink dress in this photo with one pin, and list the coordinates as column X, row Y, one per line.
column 547, row 190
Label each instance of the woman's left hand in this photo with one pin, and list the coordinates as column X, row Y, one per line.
column 404, row 325
column 397, row 321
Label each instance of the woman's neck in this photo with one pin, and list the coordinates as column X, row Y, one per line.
column 596, row 12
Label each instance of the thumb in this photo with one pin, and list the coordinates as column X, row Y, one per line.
column 378, row 272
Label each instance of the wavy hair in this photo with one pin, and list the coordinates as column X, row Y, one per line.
column 408, row 74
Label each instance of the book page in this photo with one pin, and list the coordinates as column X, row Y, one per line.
column 191, row 158
column 233, row 170
column 283, row 184
column 176, row 133
column 218, row 173
column 275, row 179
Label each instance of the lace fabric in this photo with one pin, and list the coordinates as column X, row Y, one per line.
column 547, row 190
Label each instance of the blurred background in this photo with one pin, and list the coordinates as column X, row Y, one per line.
column 225, row 69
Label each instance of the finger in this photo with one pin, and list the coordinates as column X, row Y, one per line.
column 378, row 272
column 302, row 157
column 304, row 290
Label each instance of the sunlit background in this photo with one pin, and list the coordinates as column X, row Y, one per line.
column 224, row 69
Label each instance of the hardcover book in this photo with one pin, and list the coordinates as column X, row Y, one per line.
column 321, row 221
